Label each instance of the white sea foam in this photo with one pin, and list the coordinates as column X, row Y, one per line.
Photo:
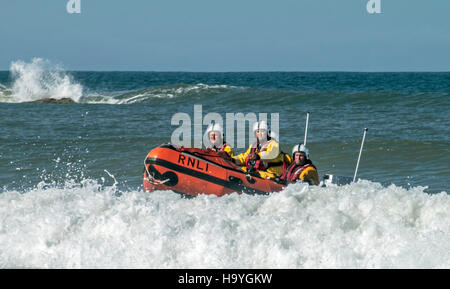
column 157, row 92
column 170, row 92
column 362, row 225
column 40, row 79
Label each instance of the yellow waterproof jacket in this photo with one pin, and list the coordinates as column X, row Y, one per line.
column 271, row 156
column 226, row 148
column 310, row 173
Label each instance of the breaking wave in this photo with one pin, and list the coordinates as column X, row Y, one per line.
column 92, row 225
column 174, row 91
column 39, row 79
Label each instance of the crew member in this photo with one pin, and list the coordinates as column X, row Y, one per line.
column 216, row 138
column 302, row 168
column 264, row 157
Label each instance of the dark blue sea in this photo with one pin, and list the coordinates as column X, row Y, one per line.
column 71, row 174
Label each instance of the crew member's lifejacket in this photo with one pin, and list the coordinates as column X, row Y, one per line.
column 293, row 172
column 260, row 165
column 270, row 163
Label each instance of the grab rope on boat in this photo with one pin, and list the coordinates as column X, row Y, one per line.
column 151, row 177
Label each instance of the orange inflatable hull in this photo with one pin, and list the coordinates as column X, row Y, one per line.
column 193, row 171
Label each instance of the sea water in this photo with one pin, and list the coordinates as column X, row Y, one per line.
column 71, row 174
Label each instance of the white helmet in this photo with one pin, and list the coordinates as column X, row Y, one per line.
column 300, row 148
column 214, row 127
column 260, row 125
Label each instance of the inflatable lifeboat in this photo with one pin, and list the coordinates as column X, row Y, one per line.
column 193, row 171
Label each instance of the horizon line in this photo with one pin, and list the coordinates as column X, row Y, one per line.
column 262, row 71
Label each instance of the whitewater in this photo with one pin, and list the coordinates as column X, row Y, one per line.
column 90, row 225
column 39, row 79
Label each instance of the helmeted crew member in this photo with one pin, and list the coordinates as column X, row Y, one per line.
column 215, row 136
column 264, row 156
column 301, row 168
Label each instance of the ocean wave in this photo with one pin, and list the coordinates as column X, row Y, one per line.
column 37, row 80
column 5, row 92
column 41, row 79
column 90, row 225
column 180, row 90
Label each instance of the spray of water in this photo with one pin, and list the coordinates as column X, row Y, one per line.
column 40, row 79
column 91, row 225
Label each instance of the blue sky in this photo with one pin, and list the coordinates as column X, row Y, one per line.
column 228, row 35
